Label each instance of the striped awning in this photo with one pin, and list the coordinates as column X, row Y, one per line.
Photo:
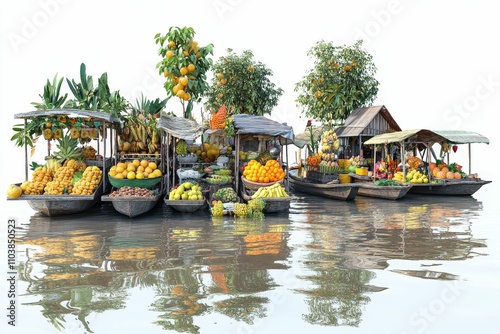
column 415, row 136
column 462, row 137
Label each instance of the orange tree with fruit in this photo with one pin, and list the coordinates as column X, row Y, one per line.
column 243, row 85
column 341, row 79
column 184, row 64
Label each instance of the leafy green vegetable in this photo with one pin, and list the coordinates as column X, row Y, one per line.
column 386, row 183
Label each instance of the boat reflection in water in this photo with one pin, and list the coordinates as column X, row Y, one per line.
column 202, row 267
column 347, row 242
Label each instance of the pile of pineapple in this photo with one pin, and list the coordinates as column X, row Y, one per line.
column 64, row 173
column 73, row 178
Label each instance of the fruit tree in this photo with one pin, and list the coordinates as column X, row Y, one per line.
column 341, row 80
column 184, row 64
column 242, row 85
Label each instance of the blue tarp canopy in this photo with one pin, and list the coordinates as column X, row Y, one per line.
column 260, row 125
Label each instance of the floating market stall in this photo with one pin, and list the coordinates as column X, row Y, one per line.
column 271, row 140
column 426, row 177
column 322, row 174
column 61, row 195
column 179, row 129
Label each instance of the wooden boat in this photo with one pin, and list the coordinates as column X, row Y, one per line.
column 59, row 205
column 133, row 206
column 186, row 205
column 340, row 191
column 273, row 204
column 383, row 192
column 369, row 189
column 461, row 187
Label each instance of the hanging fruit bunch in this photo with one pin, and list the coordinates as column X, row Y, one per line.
column 329, row 145
column 140, row 134
column 184, row 64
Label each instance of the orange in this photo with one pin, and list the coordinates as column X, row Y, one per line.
column 169, row 54
column 136, row 162
column 144, row 163
column 131, row 175
column 191, row 67
column 183, row 70
column 183, row 81
column 172, row 45
column 220, row 75
column 131, row 167
column 152, row 165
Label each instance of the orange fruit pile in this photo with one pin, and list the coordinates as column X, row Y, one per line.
column 218, row 119
column 270, row 172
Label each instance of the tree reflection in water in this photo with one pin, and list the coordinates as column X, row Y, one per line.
column 76, row 268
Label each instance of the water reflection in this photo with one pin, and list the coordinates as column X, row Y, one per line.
column 198, row 266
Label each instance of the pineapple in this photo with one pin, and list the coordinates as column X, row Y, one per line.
column 68, row 149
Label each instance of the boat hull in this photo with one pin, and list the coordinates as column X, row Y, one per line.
column 456, row 188
column 339, row 191
column 60, row 205
column 273, row 204
column 383, row 192
column 186, row 205
column 132, row 206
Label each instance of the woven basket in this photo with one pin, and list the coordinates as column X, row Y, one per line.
column 256, row 185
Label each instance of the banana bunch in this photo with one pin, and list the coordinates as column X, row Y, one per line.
column 139, row 137
column 275, row 190
column 329, row 141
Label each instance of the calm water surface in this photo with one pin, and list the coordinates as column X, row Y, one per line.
column 418, row 265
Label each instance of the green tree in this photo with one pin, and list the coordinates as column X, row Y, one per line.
column 243, row 85
column 341, row 80
column 184, row 64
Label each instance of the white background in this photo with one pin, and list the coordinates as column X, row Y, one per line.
column 437, row 61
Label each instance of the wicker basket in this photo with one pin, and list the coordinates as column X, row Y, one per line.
column 256, row 185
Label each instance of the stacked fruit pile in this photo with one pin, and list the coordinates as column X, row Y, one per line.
column 218, row 119
column 132, row 192
column 89, row 182
column 225, row 195
column 73, row 177
column 139, row 136
column 329, row 145
column 275, row 190
column 270, row 172
column 329, row 167
column 187, row 191
column 444, row 171
column 136, row 169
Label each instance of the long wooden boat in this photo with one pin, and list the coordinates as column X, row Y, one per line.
column 449, row 188
column 340, row 191
column 369, row 189
column 59, row 205
column 273, row 204
column 133, row 206
column 186, row 205
column 383, row 192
